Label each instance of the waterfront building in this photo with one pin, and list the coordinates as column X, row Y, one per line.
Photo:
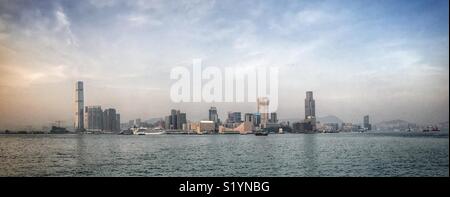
column 347, row 127
column 203, row 126
column 273, row 118
column 117, row 128
column 93, row 118
column 249, row 117
column 79, row 107
column 234, row 117
column 175, row 120
column 366, row 123
column 310, row 109
column 110, row 120
column 213, row 116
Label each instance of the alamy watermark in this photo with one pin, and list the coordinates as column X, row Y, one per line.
column 230, row 84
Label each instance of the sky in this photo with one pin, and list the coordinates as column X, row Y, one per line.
column 388, row 59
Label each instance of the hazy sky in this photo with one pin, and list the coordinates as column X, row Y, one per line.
column 388, row 59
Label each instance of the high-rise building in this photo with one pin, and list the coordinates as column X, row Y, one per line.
column 234, row 117
column 249, row 117
column 181, row 119
column 109, row 120
column 79, row 107
column 117, row 122
column 366, row 123
column 310, row 110
column 257, row 119
column 175, row 120
column 93, row 118
column 167, row 121
column 213, row 116
column 273, row 118
column 310, row 105
column 263, row 110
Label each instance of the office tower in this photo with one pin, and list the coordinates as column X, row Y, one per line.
column 257, row 119
column 234, row 117
column 263, row 110
column 79, row 107
column 93, row 118
column 175, row 120
column 213, row 116
column 310, row 111
column 366, row 123
column 109, row 120
column 248, row 117
column 273, row 118
column 181, row 120
column 118, row 122
column 167, row 121
column 310, row 106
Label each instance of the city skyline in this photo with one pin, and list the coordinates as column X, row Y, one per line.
column 388, row 60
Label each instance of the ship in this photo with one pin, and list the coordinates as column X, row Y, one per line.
column 58, row 130
column 261, row 133
column 430, row 128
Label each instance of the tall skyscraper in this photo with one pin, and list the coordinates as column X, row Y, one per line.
column 310, row 105
column 213, row 116
column 310, row 110
column 93, row 118
column 175, row 120
column 117, row 122
column 263, row 110
column 109, row 120
column 79, row 107
column 366, row 123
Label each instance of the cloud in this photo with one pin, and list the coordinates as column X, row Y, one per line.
column 63, row 25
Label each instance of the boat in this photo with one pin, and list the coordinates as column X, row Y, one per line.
column 58, row 130
column 261, row 133
column 431, row 128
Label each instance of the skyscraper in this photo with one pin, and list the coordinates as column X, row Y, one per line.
column 213, row 116
column 117, row 122
column 109, row 120
column 79, row 107
column 249, row 117
column 366, row 123
column 310, row 105
column 175, row 120
column 273, row 117
column 93, row 118
column 310, row 110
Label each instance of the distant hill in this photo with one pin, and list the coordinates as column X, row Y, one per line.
column 325, row 119
column 152, row 120
column 330, row 119
column 395, row 124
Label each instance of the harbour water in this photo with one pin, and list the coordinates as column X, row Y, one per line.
column 332, row 154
